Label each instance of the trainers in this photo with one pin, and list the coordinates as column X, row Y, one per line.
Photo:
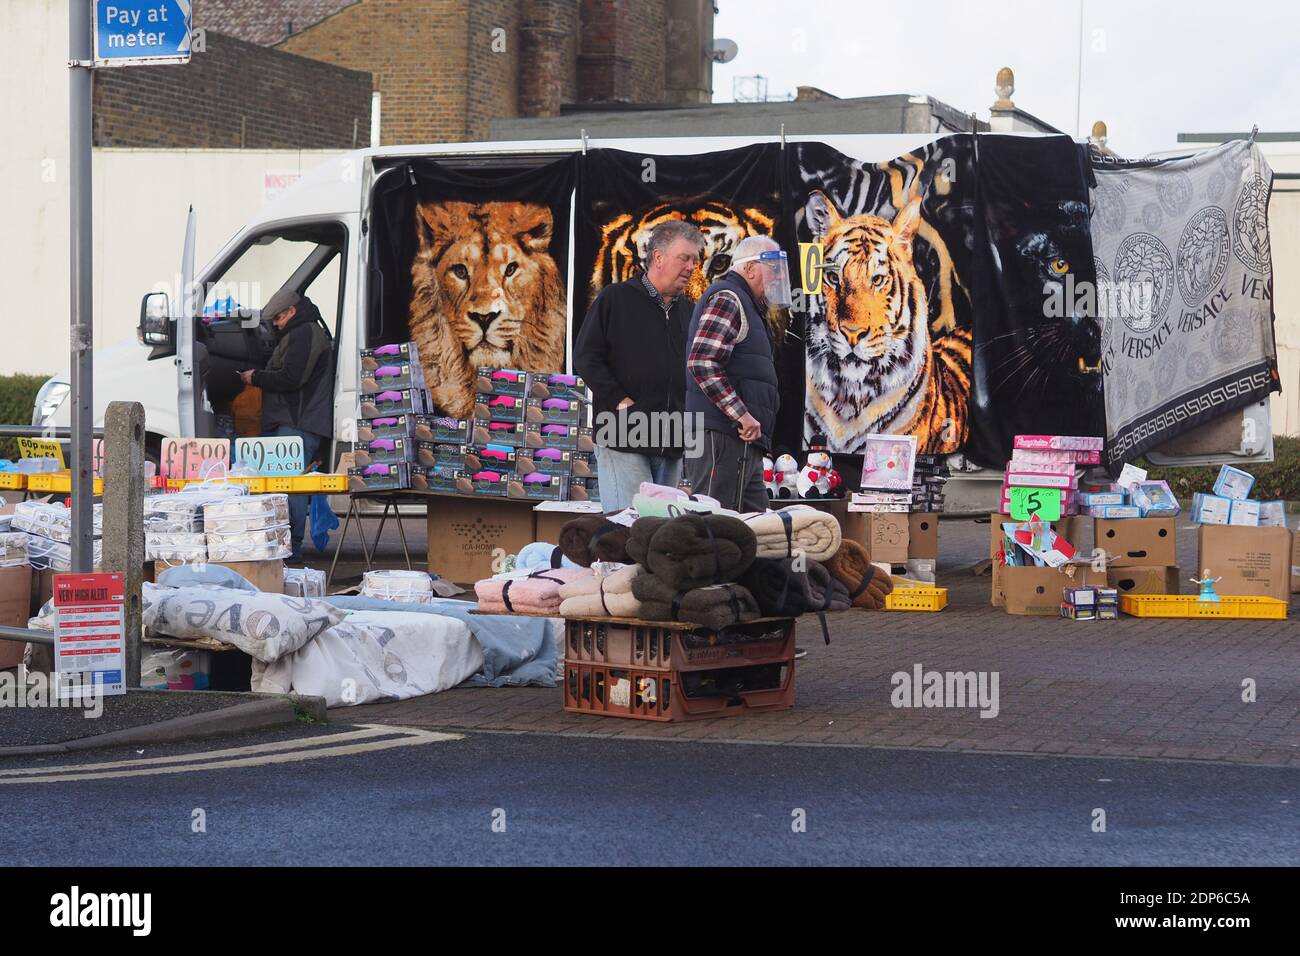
column 800, row 653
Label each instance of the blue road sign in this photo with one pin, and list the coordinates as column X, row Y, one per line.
column 132, row 32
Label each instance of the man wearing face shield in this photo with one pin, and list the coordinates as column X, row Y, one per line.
column 731, row 374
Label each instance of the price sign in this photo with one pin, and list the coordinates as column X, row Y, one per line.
column 41, row 448
column 1044, row 502
column 89, row 655
column 272, row 455
column 97, row 457
column 184, row 457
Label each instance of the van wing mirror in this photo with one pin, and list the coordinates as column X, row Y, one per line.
column 155, row 328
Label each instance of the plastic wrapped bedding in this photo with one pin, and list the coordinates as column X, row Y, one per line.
column 517, row 651
column 50, row 520
column 265, row 626
column 13, row 549
column 376, row 655
column 260, row 545
column 175, row 547
column 253, row 513
column 44, row 554
column 304, row 582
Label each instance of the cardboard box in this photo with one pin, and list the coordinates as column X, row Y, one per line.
column 923, row 536
column 466, row 533
column 1037, row 591
column 1137, row 542
column 1069, row 527
column 1145, row 580
column 1251, row 561
column 264, row 575
column 15, row 608
column 887, row 537
column 1295, row 563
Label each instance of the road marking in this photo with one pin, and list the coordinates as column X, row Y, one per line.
column 298, row 743
column 409, row 737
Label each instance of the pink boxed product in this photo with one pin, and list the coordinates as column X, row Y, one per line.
column 1059, row 443
column 1038, row 479
column 1055, row 456
column 1067, row 468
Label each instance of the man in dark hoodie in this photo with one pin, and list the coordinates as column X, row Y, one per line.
column 632, row 353
column 297, row 388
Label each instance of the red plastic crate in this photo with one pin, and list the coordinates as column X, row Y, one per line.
column 664, row 646
column 672, row 695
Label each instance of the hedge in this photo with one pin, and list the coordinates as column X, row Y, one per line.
column 17, row 396
column 1279, row 478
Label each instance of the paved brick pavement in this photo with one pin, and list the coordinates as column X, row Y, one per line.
column 1132, row 688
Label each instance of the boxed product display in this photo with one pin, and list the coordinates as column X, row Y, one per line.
column 1137, row 541
column 1040, row 479
column 1095, row 499
column 1272, row 514
column 1249, row 561
column 570, row 437
column 1059, row 443
column 441, row 478
column 382, row 450
column 1079, row 604
column 549, row 461
column 541, row 487
column 1233, row 483
column 175, row 547
column 556, row 411
column 1114, row 511
column 304, row 582
column 403, row 401
column 495, row 457
column 252, row 513
column 880, row 502
column 400, row 353
column 499, row 408
column 491, row 484
column 390, row 426
column 1210, row 509
column 510, row 434
column 584, row 464
column 262, row 545
column 442, row 430
column 501, row 381
column 1154, row 498
column 557, row 385
column 888, row 462
column 1244, row 512
column 379, row 477
column 1026, row 456
column 430, row 454
column 399, row 368
column 583, row 489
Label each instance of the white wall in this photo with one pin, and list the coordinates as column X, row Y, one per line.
column 140, row 202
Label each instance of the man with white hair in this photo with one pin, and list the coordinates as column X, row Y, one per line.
column 731, row 374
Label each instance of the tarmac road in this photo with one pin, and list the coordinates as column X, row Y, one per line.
column 393, row 798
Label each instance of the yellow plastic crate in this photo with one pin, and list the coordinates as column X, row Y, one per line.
column 916, row 599
column 12, row 480
column 279, row 484
column 1187, row 605
column 256, row 486
column 58, row 482
column 320, row 484
column 176, row 484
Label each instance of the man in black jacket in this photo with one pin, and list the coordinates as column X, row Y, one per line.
column 297, row 388
column 632, row 353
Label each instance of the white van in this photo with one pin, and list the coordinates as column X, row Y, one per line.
column 314, row 239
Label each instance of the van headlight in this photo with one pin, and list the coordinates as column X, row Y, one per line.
column 48, row 399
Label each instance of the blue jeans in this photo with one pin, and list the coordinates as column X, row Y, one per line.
column 311, row 444
column 621, row 474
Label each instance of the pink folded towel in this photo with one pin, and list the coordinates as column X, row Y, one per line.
column 537, row 592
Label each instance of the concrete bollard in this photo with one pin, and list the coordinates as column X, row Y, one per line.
column 123, row 545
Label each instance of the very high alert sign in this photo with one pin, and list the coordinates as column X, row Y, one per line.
column 134, row 32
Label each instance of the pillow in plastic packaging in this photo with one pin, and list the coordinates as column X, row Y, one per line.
column 204, row 576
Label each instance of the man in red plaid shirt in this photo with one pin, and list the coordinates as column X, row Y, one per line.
column 731, row 374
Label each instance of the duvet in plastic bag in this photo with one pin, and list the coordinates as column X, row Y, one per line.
column 265, row 626
column 376, row 655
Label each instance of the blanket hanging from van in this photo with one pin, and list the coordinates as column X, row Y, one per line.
column 474, row 265
column 1182, row 247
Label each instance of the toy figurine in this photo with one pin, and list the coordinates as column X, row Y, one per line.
column 769, row 477
column 818, row 479
column 787, row 471
column 1207, row 586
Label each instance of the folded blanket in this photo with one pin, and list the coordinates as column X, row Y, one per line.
column 692, row 551
column 608, row 596
column 668, row 493
column 537, row 592
column 594, row 538
column 540, row 554
column 714, row 607
column 782, row 591
column 867, row 584
column 798, row 528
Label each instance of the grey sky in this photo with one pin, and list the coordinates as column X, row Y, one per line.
column 1150, row 69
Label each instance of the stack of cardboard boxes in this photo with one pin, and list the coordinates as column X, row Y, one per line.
column 1245, row 542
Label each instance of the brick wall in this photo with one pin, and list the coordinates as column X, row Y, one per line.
column 418, row 53
column 493, row 83
column 234, row 95
column 622, row 51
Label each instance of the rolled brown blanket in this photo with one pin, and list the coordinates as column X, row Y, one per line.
column 714, row 607
column 783, row 591
column 867, row 585
column 693, row 550
column 594, row 538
